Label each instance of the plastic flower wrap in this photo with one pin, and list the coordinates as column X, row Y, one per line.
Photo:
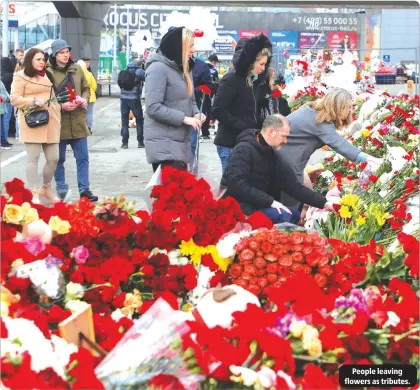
column 148, row 349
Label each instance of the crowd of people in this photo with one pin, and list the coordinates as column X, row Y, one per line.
column 262, row 146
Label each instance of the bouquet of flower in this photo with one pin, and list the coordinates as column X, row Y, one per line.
column 61, row 97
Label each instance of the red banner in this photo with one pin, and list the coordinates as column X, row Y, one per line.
column 338, row 40
column 251, row 33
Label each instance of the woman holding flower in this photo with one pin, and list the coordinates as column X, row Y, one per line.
column 315, row 125
column 31, row 87
column 171, row 109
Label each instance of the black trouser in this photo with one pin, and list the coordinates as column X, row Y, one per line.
column 181, row 165
column 133, row 105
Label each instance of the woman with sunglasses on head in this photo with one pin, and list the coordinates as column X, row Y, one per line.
column 31, row 87
column 345, row 44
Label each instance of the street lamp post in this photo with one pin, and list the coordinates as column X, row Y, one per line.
column 128, row 36
column 114, row 62
column 5, row 29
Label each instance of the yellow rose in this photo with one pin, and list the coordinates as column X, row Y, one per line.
column 315, row 348
column 29, row 214
column 365, row 133
column 132, row 303
column 58, row 225
column 12, row 213
column 296, row 328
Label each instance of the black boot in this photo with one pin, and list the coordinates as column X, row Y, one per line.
column 88, row 194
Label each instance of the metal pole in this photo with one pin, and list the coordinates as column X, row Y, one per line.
column 5, row 29
column 114, row 62
column 128, row 37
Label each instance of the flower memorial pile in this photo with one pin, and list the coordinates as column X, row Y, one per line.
column 309, row 94
column 123, row 263
column 376, row 203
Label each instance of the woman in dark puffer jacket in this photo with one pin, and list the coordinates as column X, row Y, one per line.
column 242, row 94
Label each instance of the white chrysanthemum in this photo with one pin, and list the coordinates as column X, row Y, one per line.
column 327, row 175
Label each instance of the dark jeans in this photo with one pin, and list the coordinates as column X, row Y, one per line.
column 275, row 217
column 133, row 105
column 224, row 153
column 2, row 129
column 80, row 151
column 181, row 165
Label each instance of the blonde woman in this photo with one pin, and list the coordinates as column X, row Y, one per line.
column 316, row 125
column 31, row 87
column 171, row 110
column 242, row 94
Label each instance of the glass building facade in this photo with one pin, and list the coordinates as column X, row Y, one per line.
column 39, row 30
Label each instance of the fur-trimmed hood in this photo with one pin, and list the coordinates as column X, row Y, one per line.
column 246, row 54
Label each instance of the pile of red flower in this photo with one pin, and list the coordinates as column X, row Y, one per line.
column 269, row 257
column 309, row 94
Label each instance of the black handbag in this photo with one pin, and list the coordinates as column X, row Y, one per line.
column 39, row 117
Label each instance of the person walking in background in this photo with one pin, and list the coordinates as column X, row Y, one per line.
column 31, row 87
column 211, row 62
column 279, row 103
column 201, row 76
column 18, row 60
column 171, row 110
column 86, row 60
column 4, row 97
column 64, row 73
column 315, row 125
column 241, row 96
column 7, row 69
column 131, row 82
column 93, row 85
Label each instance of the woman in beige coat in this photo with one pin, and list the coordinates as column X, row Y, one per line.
column 31, row 87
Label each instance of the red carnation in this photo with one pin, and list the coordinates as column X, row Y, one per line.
column 277, row 94
column 259, row 220
column 72, row 94
column 165, row 382
column 373, row 178
column 205, row 89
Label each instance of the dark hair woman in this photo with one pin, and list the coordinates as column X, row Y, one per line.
column 31, row 87
column 242, row 95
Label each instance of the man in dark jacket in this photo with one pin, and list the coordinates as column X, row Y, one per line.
column 255, row 174
column 130, row 101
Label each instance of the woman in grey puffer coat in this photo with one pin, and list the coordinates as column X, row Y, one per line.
column 171, row 109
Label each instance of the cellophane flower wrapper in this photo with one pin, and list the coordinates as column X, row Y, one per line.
column 147, row 350
column 47, row 279
column 155, row 180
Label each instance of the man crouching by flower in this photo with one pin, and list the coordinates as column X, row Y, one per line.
column 255, row 174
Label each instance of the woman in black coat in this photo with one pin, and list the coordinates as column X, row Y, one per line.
column 242, row 95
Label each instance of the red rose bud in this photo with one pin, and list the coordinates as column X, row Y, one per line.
column 336, row 207
column 277, row 93
column 205, row 89
column 198, row 33
column 373, row 178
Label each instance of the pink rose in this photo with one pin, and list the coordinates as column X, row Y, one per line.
column 33, row 245
column 80, row 254
column 79, row 101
